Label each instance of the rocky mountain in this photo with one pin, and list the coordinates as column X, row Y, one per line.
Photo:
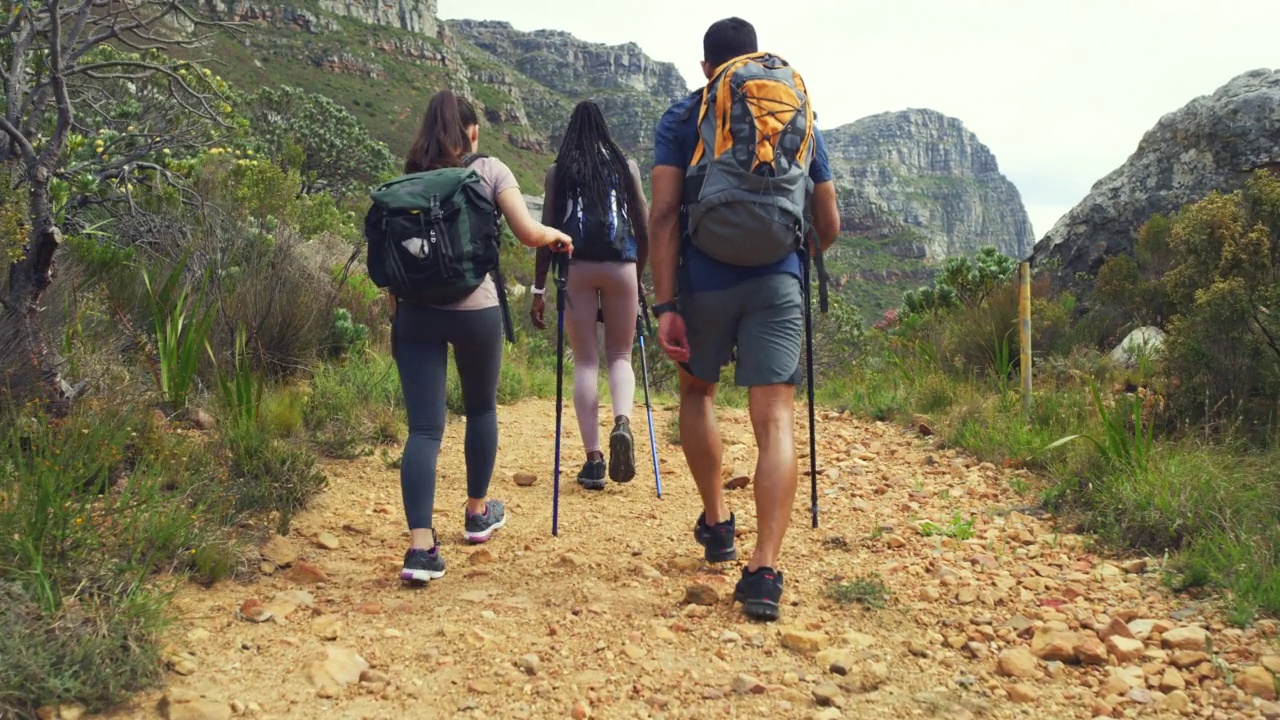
column 926, row 185
column 383, row 59
column 1211, row 143
column 631, row 88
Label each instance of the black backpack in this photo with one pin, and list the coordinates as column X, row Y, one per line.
column 433, row 237
column 596, row 238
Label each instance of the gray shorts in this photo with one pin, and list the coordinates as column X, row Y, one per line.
column 763, row 318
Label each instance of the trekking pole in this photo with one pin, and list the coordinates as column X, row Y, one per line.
column 808, row 342
column 644, row 373
column 561, row 272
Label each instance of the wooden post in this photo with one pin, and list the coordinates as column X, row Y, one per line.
column 1024, row 333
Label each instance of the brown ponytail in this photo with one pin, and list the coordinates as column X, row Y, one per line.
column 442, row 140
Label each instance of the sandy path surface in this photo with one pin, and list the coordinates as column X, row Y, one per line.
column 1018, row 620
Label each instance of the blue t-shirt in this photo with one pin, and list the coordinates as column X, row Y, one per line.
column 674, row 139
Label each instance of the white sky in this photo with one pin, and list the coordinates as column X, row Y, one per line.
column 1060, row 90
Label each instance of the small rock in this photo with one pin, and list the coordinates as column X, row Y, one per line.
column 1023, row 693
column 280, row 551
column 1091, row 651
column 328, row 541
column 1184, row 659
column 341, row 667
column 1114, row 628
column 895, row 542
column 804, row 640
column 202, row 420
column 1134, row 567
column 1017, row 662
column 1141, row 695
column 483, row 556
column 738, row 482
column 369, row 608
column 1172, row 680
column 1054, row 645
column 828, row 695
column 1258, row 682
column 836, row 661
column 634, row 652
column 1125, row 649
column 181, row 704
column 743, row 684
column 1270, row 662
column 730, row 637
column 701, row 594
column 253, row 611
column 967, row 595
column 374, row 676
column 327, row 627
column 867, row 677
column 1186, row 638
column 828, row 714
column 524, row 479
column 1178, row 702
column 481, row 687
column 528, row 663
column 570, row 560
column 304, row 573
column 580, row 711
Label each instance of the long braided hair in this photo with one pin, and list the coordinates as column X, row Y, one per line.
column 590, row 164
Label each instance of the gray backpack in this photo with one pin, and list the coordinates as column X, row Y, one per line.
column 747, row 187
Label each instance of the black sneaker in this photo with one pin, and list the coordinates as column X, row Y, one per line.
column 422, row 566
column 759, row 593
column 479, row 528
column 591, row 477
column 622, row 459
column 717, row 539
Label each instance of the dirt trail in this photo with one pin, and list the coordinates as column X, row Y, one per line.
column 595, row 622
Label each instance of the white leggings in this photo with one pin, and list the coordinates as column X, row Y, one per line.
column 611, row 286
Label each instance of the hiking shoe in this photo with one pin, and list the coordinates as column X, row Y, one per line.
column 591, row 477
column 717, row 539
column 759, row 593
column 422, row 566
column 622, row 458
column 479, row 528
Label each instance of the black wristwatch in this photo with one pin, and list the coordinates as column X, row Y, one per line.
column 660, row 308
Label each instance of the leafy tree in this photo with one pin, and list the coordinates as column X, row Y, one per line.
column 1223, row 290
column 55, row 57
column 310, row 132
column 962, row 282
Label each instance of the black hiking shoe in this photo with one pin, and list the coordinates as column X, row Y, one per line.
column 759, row 593
column 591, row 477
column 422, row 566
column 622, row 458
column 717, row 539
column 479, row 528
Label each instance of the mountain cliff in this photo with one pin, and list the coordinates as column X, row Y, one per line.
column 1211, row 143
column 922, row 181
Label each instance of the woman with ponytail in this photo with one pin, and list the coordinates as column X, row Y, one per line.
column 593, row 193
column 422, row 334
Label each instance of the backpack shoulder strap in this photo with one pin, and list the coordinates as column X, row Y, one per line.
column 470, row 158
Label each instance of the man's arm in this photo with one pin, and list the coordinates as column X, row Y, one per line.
column 825, row 212
column 667, row 183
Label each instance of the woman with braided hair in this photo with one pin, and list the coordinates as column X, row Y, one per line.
column 593, row 194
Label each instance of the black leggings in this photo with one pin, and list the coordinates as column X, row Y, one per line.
column 420, row 337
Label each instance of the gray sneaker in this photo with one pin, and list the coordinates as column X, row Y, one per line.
column 422, row 566
column 479, row 528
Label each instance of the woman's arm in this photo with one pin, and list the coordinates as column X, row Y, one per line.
column 639, row 223
column 528, row 231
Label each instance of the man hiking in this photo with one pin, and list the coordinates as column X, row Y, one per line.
column 727, row 227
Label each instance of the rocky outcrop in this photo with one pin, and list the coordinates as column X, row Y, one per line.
column 631, row 88
column 416, row 16
column 1211, row 143
column 920, row 173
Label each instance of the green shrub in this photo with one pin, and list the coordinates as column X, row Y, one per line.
column 270, row 475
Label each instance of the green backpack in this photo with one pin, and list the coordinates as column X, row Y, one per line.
column 433, row 237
